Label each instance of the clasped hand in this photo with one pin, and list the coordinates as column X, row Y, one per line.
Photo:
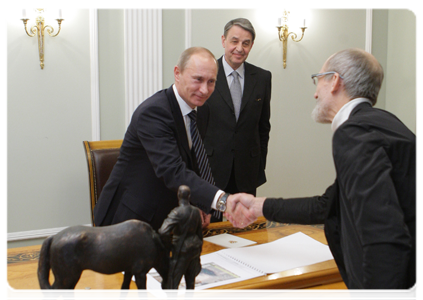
column 243, row 209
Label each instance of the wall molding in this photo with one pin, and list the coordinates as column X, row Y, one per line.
column 143, row 57
column 369, row 30
column 95, row 84
column 34, row 234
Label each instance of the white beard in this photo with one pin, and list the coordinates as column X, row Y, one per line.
column 319, row 113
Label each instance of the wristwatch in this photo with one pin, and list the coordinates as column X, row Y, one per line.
column 221, row 203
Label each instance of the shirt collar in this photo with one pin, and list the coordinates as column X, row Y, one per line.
column 185, row 108
column 344, row 113
column 228, row 69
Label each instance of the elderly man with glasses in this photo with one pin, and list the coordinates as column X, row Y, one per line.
column 370, row 211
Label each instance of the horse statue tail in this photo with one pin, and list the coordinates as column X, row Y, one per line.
column 44, row 264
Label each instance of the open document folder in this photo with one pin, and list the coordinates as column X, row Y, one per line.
column 237, row 264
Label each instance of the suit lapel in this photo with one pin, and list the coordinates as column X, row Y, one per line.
column 249, row 84
column 222, row 85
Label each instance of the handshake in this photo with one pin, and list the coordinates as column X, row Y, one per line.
column 243, row 209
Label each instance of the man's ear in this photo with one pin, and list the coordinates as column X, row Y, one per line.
column 336, row 83
column 223, row 41
column 176, row 73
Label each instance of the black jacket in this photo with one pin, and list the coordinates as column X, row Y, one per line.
column 370, row 211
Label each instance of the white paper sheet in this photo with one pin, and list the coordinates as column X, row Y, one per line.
column 293, row 251
column 229, row 241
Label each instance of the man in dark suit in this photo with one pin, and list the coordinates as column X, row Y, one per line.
column 370, row 211
column 157, row 154
column 237, row 121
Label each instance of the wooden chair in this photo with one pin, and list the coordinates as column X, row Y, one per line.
column 101, row 157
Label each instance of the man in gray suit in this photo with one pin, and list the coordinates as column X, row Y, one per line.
column 237, row 114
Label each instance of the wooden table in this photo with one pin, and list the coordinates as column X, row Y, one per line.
column 22, row 263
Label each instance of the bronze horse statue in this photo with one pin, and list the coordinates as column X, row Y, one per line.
column 132, row 247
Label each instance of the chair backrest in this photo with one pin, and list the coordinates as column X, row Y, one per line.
column 101, row 158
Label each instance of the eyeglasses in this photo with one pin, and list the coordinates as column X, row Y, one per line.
column 313, row 77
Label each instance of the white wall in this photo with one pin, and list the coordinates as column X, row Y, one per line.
column 401, row 66
column 49, row 115
column 111, row 73
column 394, row 45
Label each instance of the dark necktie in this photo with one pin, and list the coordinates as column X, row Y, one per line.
column 200, row 153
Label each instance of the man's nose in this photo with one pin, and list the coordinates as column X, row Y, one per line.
column 203, row 88
column 239, row 47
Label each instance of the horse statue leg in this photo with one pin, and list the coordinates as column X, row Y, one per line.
column 141, row 280
column 126, row 280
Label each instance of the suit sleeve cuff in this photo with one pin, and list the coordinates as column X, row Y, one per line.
column 216, row 197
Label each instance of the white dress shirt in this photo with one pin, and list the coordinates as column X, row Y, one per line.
column 344, row 113
column 228, row 71
column 185, row 109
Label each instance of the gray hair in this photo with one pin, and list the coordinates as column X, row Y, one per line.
column 362, row 73
column 186, row 55
column 241, row 22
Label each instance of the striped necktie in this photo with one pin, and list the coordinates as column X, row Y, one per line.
column 200, row 153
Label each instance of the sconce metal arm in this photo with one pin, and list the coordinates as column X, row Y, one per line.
column 33, row 28
column 294, row 35
column 50, row 30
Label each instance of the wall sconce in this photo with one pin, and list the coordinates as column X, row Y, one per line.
column 39, row 28
column 284, row 35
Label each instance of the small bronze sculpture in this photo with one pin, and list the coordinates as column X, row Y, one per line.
column 183, row 230
column 132, row 247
